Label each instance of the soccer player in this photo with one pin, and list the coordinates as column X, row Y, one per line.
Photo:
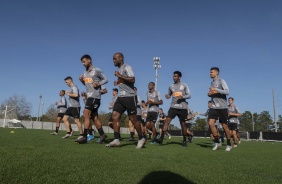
column 144, row 116
column 139, row 117
column 115, row 95
column 162, row 118
column 188, row 122
column 126, row 100
column 92, row 78
column 233, row 114
column 153, row 101
column 62, row 107
column 216, row 124
column 219, row 108
column 73, row 109
column 179, row 92
column 90, row 135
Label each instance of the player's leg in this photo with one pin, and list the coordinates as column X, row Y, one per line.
column 171, row 115
column 118, row 110
column 90, row 135
column 238, row 136
column 184, row 133
column 58, row 120
column 223, row 116
column 131, row 130
column 79, row 126
column 67, row 126
column 137, row 126
column 99, row 127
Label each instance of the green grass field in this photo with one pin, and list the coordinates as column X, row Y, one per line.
column 35, row 156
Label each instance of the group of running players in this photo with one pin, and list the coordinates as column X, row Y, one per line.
column 143, row 115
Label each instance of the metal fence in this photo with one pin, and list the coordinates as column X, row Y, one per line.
column 52, row 126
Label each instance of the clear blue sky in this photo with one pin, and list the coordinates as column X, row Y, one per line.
column 41, row 43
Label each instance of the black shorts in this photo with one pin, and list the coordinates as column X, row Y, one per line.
column 152, row 117
column 188, row 126
column 161, row 125
column 180, row 113
column 232, row 126
column 92, row 104
column 222, row 114
column 73, row 112
column 139, row 118
column 126, row 103
column 60, row 115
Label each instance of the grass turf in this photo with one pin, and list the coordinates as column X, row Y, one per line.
column 35, row 156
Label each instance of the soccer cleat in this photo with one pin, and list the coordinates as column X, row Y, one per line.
column 72, row 132
column 114, row 143
column 235, row 146
column 79, row 137
column 90, row 137
column 130, row 139
column 184, row 144
column 140, row 143
column 54, row 133
column 160, row 141
column 228, row 148
column 169, row 136
column 102, row 138
column 81, row 140
column 153, row 142
column 66, row 136
column 239, row 142
column 215, row 146
column 98, row 140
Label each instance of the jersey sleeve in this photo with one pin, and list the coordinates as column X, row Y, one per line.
column 169, row 92
column 75, row 90
column 129, row 71
column 103, row 78
column 225, row 89
column 187, row 94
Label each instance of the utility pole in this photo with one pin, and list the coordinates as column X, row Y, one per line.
column 274, row 110
column 40, row 97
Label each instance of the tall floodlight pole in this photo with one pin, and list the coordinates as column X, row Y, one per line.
column 274, row 110
column 42, row 110
column 157, row 65
column 40, row 97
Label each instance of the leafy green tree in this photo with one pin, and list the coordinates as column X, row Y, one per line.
column 264, row 119
column 246, row 121
column 201, row 124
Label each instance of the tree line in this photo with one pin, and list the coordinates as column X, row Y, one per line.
column 20, row 109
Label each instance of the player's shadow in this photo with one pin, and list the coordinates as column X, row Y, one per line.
column 205, row 145
column 172, row 142
column 166, row 177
